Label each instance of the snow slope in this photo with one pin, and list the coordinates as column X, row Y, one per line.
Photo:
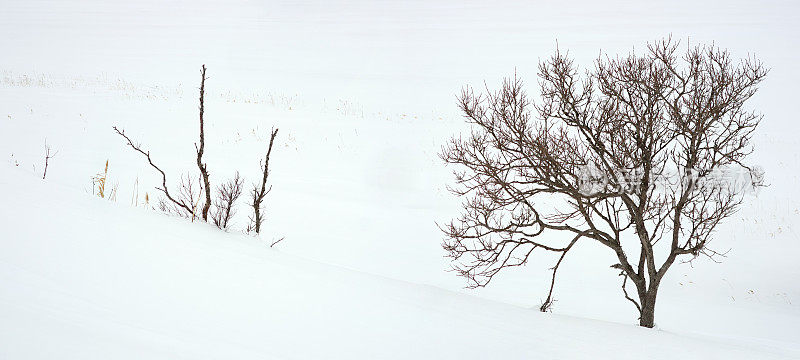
column 84, row 279
column 363, row 94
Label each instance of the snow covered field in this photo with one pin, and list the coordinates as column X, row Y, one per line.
column 103, row 281
column 363, row 94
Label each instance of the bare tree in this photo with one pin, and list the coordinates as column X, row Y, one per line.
column 260, row 191
column 47, row 157
column 592, row 160
column 200, row 149
column 227, row 194
column 187, row 200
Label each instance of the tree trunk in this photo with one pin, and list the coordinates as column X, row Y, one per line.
column 648, row 313
column 257, row 211
column 200, row 164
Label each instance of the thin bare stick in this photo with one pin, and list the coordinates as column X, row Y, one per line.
column 277, row 241
column 260, row 190
column 47, row 157
column 163, row 187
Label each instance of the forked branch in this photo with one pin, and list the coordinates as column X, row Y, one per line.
column 260, row 191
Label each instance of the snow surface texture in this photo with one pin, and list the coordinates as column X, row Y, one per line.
column 363, row 93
